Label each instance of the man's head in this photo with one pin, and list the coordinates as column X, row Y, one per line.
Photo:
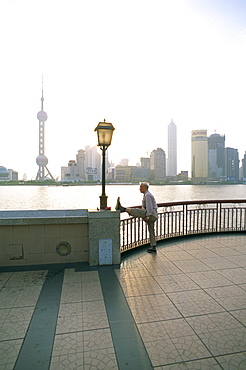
column 143, row 187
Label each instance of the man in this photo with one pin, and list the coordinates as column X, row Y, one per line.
column 148, row 213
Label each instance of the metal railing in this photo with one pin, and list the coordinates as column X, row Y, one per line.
column 185, row 218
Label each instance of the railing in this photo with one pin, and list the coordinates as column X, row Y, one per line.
column 186, row 218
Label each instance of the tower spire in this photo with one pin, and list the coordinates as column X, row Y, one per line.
column 42, row 98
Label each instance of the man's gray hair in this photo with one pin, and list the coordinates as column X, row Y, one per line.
column 144, row 184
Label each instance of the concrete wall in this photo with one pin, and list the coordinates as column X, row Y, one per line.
column 47, row 237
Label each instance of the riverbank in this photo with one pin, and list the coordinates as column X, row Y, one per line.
column 57, row 183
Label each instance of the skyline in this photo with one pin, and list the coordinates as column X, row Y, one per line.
column 137, row 64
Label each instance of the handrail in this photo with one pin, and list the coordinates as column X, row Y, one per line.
column 186, row 218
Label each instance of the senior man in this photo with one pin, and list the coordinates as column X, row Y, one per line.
column 148, row 213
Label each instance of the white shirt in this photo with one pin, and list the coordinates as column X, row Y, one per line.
column 149, row 204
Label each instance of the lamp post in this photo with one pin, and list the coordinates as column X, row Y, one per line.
column 104, row 136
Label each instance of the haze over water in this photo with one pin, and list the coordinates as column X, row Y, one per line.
column 87, row 196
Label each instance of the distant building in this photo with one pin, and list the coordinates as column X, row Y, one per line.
column 80, row 158
column 172, row 150
column 123, row 173
column 140, row 174
column 131, row 174
column 231, row 164
column 244, row 167
column 145, row 162
column 216, row 156
column 183, row 176
column 199, row 155
column 124, row 162
column 69, row 173
column 158, row 165
column 93, row 160
column 8, row 175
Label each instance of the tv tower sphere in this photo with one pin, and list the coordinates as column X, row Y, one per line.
column 42, row 160
column 42, row 116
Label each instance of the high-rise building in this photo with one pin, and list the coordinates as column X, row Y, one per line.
column 158, row 165
column 231, row 164
column 145, row 162
column 80, row 158
column 199, row 155
column 93, row 162
column 69, row 173
column 172, row 150
column 216, row 156
column 244, row 166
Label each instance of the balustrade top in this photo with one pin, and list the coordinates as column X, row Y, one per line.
column 187, row 202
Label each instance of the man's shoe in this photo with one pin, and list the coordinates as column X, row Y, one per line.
column 151, row 250
column 119, row 207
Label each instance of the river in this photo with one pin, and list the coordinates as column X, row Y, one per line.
column 24, row 197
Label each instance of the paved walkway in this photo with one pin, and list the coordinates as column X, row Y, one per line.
column 183, row 308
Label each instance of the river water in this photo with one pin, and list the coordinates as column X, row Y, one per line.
column 24, row 197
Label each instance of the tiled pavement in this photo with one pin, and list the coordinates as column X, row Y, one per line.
column 183, row 308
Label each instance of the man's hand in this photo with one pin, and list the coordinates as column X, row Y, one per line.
column 146, row 218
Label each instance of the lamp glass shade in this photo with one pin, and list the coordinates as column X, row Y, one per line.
column 104, row 133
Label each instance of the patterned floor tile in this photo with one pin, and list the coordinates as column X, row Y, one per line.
column 68, row 362
column 66, row 344
column 235, row 275
column 26, row 278
column 203, row 364
column 94, row 315
column 69, row 318
column 191, row 265
column 72, row 277
column 71, row 293
column 103, row 359
column 240, row 315
column 97, row 339
column 152, row 332
column 236, row 361
column 4, row 277
column 213, row 323
column 209, row 279
column 224, row 342
column 152, row 308
column 163, row 352
column 238, row 260
column 190, row 347
column 218, row 263
column 8, row 352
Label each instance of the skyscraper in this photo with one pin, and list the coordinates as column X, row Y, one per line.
column 93, row 161
column 158, row 165
column 232, row 164
column 80, row 157
column 172, row 150
column 216, row 156
column 244, row 166
column 199, row 155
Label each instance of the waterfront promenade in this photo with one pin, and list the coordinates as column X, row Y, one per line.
column 183, row 308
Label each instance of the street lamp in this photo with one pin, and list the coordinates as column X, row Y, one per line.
column 104, row 136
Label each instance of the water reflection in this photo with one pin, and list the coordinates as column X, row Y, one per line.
column 87, row 197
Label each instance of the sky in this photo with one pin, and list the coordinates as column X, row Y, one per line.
column 136, row 63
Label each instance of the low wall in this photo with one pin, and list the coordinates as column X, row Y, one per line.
column 58, row 236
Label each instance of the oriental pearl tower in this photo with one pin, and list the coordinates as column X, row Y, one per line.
column 42, row 160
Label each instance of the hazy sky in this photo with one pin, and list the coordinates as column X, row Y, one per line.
column 136, row 63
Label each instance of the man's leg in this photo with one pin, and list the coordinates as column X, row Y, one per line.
column 151, row 228
column 136, row 212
